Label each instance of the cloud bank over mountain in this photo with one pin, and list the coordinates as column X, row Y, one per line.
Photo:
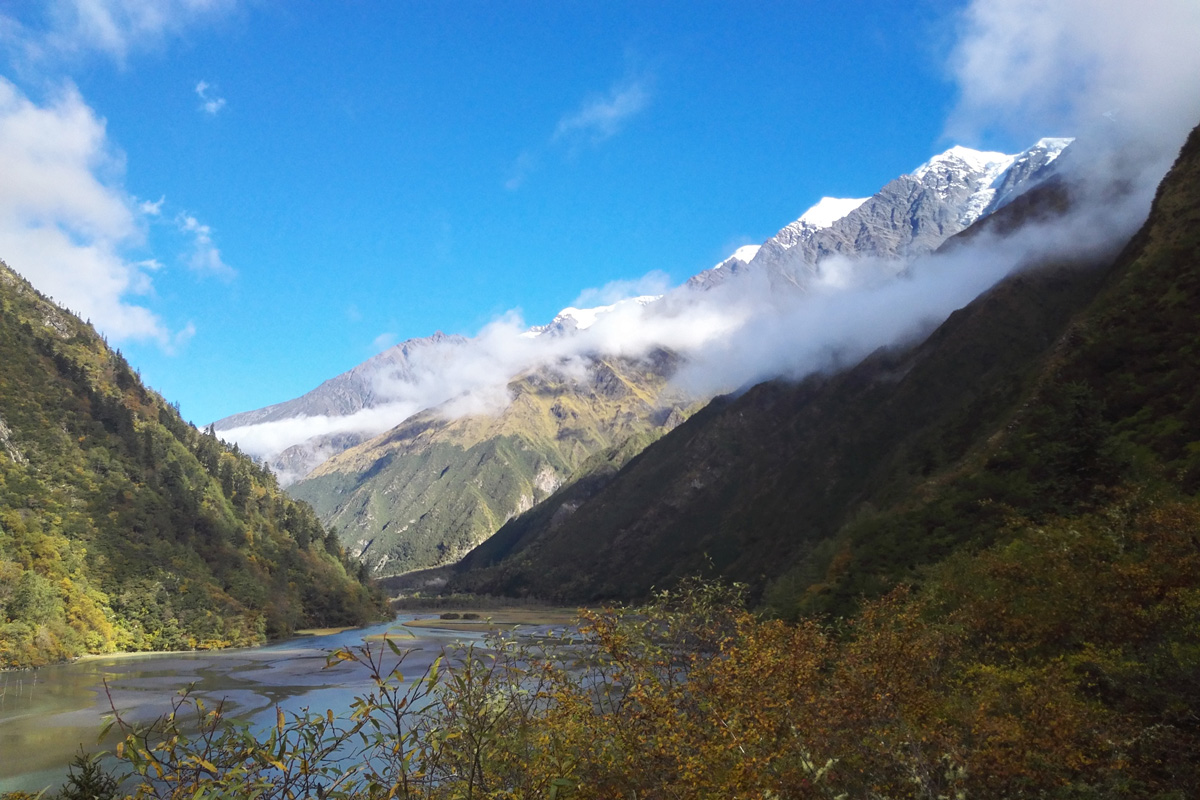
column 1129, row 79
column 1034, row 66
column 733, row 333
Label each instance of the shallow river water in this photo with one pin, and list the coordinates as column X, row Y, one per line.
column 47, row 714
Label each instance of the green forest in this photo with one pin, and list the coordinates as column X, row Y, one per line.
column 123, row 527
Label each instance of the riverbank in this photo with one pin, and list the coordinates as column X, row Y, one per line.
column 47, row 715
column 303, row 633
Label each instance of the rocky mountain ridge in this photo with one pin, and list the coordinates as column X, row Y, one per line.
column 910, row 216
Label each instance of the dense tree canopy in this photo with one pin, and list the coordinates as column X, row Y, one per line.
column 124, row 527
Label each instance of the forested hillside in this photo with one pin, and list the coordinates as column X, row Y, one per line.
column 122, row 527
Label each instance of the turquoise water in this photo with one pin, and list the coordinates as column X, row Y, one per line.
column 46, row 715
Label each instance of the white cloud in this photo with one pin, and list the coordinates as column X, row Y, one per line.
column 598, row 118
column 61, row 225
column 152, row 209
column 114, row 28
column 205, row 258
column 1044, row 67
column 603, row 116
column 181, row 338
column 209, row 103
column 652, row 283
column 525, row 164
column 383, row 341
column 854, row 308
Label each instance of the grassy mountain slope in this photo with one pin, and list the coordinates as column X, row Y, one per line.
column 123, row 527
column 843, row 485
column 432, row 488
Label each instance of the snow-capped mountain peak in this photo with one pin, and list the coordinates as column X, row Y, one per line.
column 1054, row 145
column 911, row 215
column 577, row 319
column 829, row 210
column 745, row 253
column 957, row 157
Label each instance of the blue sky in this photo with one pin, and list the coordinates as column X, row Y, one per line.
column 250, row 197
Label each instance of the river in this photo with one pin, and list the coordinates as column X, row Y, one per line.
column 48, row 713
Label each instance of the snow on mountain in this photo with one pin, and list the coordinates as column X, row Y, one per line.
column 1024, row 168
column 911, row 215
column 746, row 252
column 960, row 165
column 572, row 319
column 828, row 211
column 727, row 268
column 957, row 158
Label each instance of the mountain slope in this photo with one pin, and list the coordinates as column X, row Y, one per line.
column 122, row 526
column 397, row 505
column 843, row 484
column 427, row 491
column 910, row 216
column 344, row 394
column 356, row 390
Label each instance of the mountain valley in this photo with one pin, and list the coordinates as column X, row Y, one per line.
column 423, row 493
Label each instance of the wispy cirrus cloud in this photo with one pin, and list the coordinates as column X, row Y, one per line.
column 210, row 103
column 114, row 28
column 204, row 258
column 521, row 168
column 598, row 118
column 601, row 117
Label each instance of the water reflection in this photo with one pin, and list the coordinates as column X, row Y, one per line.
column 46, row 714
